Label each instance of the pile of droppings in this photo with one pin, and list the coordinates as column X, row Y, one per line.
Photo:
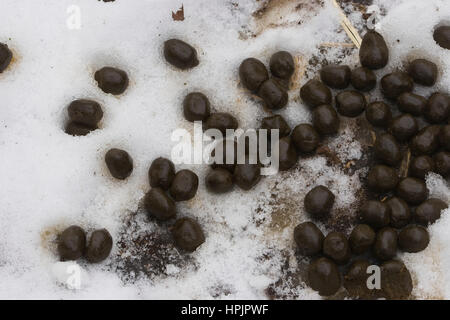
column 249, row 233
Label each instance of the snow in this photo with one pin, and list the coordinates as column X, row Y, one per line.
column 52, row 180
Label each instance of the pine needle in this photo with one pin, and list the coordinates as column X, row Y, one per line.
column 404, row 167
column 337, row 44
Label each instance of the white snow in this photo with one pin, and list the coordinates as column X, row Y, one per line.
column 51, row 180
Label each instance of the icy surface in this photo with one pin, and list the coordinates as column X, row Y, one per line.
column 51, row 180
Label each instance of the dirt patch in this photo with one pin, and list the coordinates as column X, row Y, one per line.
column 290, row 282
column 147, row 252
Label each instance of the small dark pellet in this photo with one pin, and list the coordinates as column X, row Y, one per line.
column 423, row 72
column 184, row 185
column 319, row 201
column 396, row 282
column 350, row 103
column 420, row 166
column 246, row 175
column 386, row 242
column 5, row 57
column 335, row 76
column 99, row 247
column 78, row 129
column 426, row 140
column 355, row 280
column 287, row 154
column 444, row 137
column 229, row 150
column 412, row 190
column 71, row 243
column 404, row 127
column 438, row 108
column 85, row 112
column 363, row 79
column 396, row 83
column 305, row 138
column 273, row 94
column 400, row 212
column 382, row 178
column 412, row 103
column 309, row 239
column 252, row 73
column 276, row 122
column 219, row 181
column 282, row 65
column 221, row 121
column 387, row 149
column 413, row 239
column 159, row 205
column 324, row 276
column 112, row 80
column 442, row 163
column 429, row 211
column 326, row 120
column 361, row 238
column 373, row 53
column 188, row 234
column 442, row 36
column 336, row 247
column 376, row 214
column 180, row 54
column 119, row 163
column 196, row 107
column 161, row 173
column 314, row 93
column 378, row 114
